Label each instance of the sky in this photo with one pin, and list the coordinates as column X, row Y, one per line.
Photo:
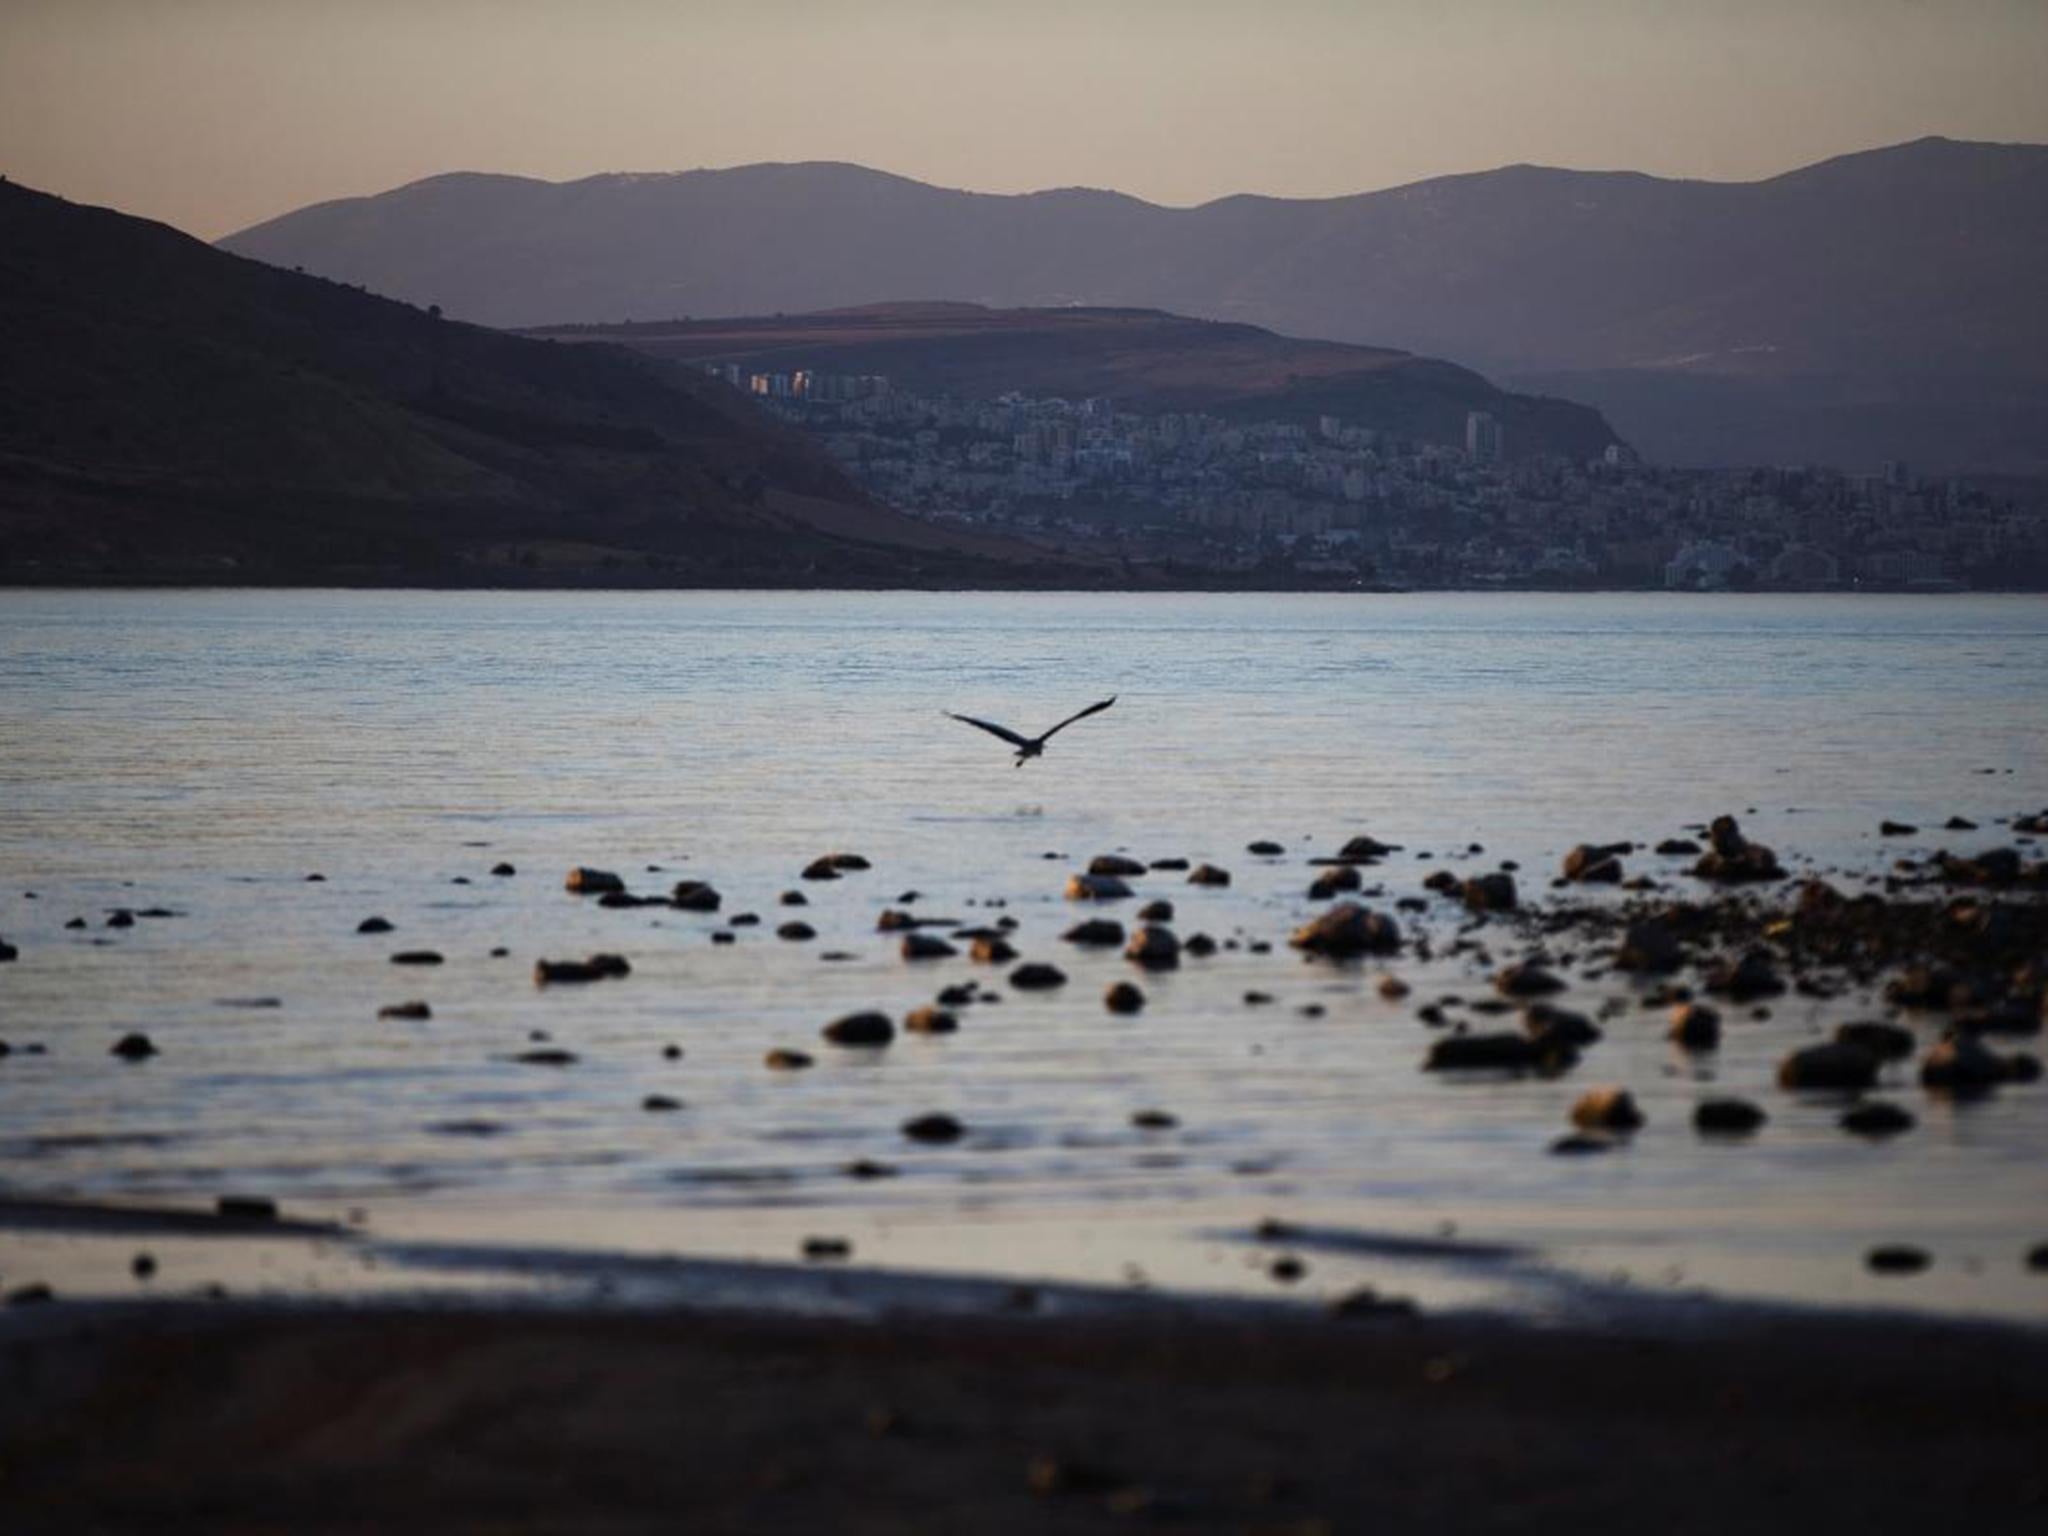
column 215, row 114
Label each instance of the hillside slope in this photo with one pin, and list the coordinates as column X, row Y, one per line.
column 1900, row 290
column 172, row 412
column 1142, row 359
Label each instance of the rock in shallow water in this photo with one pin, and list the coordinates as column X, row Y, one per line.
column 1155, row 948
column 1096, row 888
column 1348, row 929
column 1828, row 1066
column 1607, row 1109
column 935, row 1129
column 134, row 1046
column 866, row 1029
column 1037, row 977
column 1726, row 1117
column 586, row 881
column 1123, row 997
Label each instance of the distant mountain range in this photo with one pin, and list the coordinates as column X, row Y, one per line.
column 1881, row 305
column 172, row 412
column 1145, row 360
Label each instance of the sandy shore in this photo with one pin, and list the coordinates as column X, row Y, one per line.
column 544, row 1419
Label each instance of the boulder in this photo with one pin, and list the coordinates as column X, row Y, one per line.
column 796, row 933
column 1541, row 1021
column 585, row 881
column 694, row 896
column 416, row 957
column 1096, row 888
column 1156, row 912
column 869, row 1028
column 1726, row 1117
column 1889, row 828
column 595, row 968
column 1607, row 1109
column 1334, row 881
column 1037, row 977
column 134, row 1046
column 1733, row 859
column 1695, row 1027
column 930, row 1019
column 1265, row 848
column 1897, row 1259
column 1648, row 948
column 1828, row 1066
column 1528, row 979
column 786, row 1061
column 1348, row 929
column 1497, row 1052
column 1962, row 1064
column 409, row 1010
column 1200, row 945
column 1100, row 932
column 936, row 1129
column 992, row 949
column 821, row 868
column 1595, row 863
column 1494, row 892
column 1365, row 850
column 1877, row 1119
column 1114, row 864
column 1753, row 975
column 1153, row 947
column 1123, row 997
column 1208, row 874
column 1678, row 847
column 926, row 946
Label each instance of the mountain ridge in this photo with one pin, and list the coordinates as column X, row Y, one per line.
column 1839, row 282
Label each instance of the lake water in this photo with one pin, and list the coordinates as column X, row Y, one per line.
column 206, row 752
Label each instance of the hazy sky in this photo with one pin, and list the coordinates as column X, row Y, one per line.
column 213, row 114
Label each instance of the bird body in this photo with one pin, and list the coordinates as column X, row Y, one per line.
column 1030, row 746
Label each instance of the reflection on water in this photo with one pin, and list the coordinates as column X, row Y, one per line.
column 206, row 752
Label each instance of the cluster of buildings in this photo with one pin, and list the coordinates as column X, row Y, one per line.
column 1341, row 503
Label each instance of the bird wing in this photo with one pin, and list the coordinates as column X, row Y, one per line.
column 991, row 727
column 1092, row 709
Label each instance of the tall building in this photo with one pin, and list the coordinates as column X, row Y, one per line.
column 1482, row 437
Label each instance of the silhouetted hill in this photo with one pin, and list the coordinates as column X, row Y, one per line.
column 1834, row 310
column 1142, row 359
column 169, row 411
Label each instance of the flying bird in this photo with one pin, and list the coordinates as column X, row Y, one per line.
column 1030, row 746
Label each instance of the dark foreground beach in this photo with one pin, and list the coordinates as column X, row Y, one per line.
column 548, row 1420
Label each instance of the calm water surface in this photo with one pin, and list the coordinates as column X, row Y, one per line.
column 205, row 752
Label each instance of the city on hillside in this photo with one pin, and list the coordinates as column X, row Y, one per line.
column 1341, row 503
